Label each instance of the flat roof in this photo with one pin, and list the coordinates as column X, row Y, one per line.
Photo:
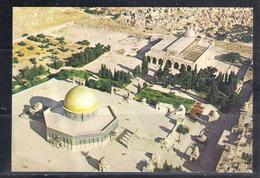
column 180, row 44
column 164, row 43
column 56, row 119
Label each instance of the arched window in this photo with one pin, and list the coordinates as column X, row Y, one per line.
column 188, row 68
column 176, row 65
column 148, row 58
column 183, row 68
column 154, row 60
column 168, row 62
column 160, row 62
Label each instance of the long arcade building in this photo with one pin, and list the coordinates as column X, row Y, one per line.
column 188, row 50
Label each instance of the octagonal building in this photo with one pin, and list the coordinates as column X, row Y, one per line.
column 78, row 122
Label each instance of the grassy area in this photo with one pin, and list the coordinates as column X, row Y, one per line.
column 65, row 74
column 154, row 96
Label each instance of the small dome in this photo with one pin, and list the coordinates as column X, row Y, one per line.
column 37, row 106
column 189, row 33
column 80, row 100
column 181, row 108
column 213, row 113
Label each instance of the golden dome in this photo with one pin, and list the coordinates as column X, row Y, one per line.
column 80, row 100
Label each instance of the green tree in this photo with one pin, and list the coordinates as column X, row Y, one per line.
column 145, row 85
column 159, row 73
column 183, row 68
column 91, row 83
column 57, row 64
column 105, row 85
column 84, row 42
column 21, row 43
column 41, row 35
column 144, row 67
column 181, row 129
column 194, row 79
column 137, row 71
column 30, row 48
column 15, row 60
column 232, row 80
column 24, row 34
column 213, row 93
column 88, row 55
column 185, row 80
column 105, row 73
column 139, row 88
column 166, row 68
column 234, row 100
column 232, row 57
column 33, row 60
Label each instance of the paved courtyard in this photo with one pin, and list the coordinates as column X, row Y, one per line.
column 31, row 152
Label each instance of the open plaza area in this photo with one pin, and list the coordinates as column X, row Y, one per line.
column 36, row 154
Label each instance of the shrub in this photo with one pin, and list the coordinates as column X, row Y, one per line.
column 232, row 57
column 63, row 49
column 55, row 52
column 145, row 85
column 41, row 35
column 21, row 43
column 30, row 73
column 137, row 71
column 91, row 83
column 15, row 60
column 57, row 64
column 45, row 40
column 33, row 61
column 43, row 46
column 88, row 55
column 20, row 54
column 30, row 48
column 84, row 42
column 60, row 38
column 105, row 85
column 182, row 129
column 25, row 34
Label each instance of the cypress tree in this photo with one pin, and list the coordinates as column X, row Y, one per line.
column 226, row 78
column 159, row 73
column 213, row 93
column 144, row 67
column 139, row 88
column 183, row 68
column 166, row 68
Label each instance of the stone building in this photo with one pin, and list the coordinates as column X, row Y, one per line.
column 78, row 122
column 188, row 50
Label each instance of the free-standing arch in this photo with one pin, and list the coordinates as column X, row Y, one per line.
column 148, row 59
column 176, row 65
column 160, row 61
column 168, row 62
column 188, row 68
column 154, row 60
